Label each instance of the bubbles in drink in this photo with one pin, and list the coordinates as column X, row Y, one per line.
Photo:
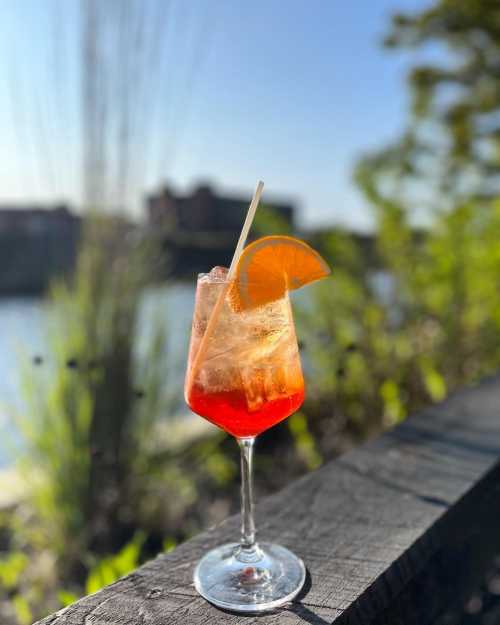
column 251, row 367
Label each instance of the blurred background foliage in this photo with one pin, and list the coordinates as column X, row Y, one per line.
column 390, row 332
column 388, row 336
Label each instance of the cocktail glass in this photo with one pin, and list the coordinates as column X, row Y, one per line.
column 249, row 379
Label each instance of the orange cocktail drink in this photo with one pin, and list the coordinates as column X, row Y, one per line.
column 233, row 415
column 244, row 375
column 250, row 377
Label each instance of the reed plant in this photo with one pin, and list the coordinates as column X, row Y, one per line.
column 90, row 411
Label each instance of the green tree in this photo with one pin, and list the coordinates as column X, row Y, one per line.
column 446, row 162
column 450, row 151
column 376, row 357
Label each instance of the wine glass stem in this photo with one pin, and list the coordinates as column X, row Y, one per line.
column 247, row 523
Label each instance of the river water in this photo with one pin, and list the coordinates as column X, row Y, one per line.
column 23, row 324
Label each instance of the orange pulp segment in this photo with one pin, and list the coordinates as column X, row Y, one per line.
column 270, row 266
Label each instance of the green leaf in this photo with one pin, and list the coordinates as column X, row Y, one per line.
column 11, row 569
column 23, row 610
column 304, row 441
column 434, row 383
column 66, row 597
column 169, row 544
column 111, row 568
column 394, row 409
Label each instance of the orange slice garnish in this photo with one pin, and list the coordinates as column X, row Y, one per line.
column 272, row 265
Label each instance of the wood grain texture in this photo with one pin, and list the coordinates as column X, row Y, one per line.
column 392, row 532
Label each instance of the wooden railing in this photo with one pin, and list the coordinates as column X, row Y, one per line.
column 397, row 531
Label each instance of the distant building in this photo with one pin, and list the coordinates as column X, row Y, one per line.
column 200, row 230
column 203, row 211
column 36, row 244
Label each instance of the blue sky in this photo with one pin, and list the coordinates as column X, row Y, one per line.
column 292, row 92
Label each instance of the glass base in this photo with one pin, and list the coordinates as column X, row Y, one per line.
column 249, row 580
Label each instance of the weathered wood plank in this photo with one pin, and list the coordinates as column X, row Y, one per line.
column 392, row 532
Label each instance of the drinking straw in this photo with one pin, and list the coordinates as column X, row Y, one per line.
column 246, row 228
column 232, row 268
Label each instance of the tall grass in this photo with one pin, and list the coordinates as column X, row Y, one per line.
column 90, row 415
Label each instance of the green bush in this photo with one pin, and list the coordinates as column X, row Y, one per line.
column 376, row 357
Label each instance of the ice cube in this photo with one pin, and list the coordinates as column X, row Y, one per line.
column 264, row 384
column 275, row 382
column 252, row 379
column 216, row 379
column 218, row 274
